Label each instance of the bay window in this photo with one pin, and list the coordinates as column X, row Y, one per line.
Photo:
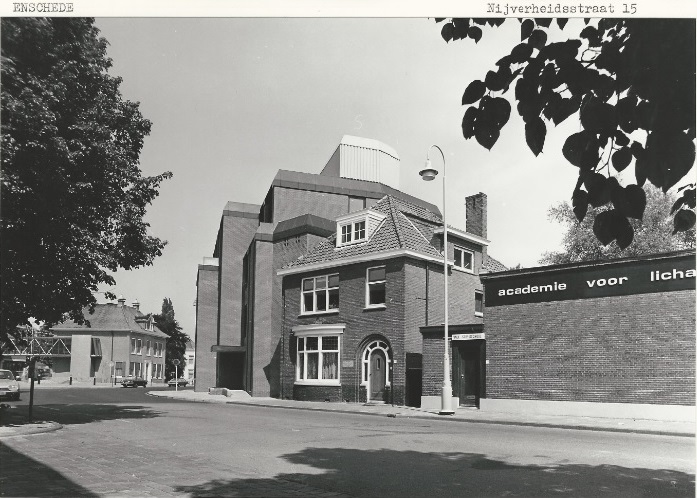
column 318, row 354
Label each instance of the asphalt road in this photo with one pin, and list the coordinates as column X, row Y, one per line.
column 122, row 442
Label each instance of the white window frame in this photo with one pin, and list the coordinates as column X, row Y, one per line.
column 134, row 346
column 354, row 230
column 365, row 362
column 148, row 348
column 315, row 291
column 368, row 283
column 319, row 332
column 458, row 264
column 139, row 348
column 478, row 293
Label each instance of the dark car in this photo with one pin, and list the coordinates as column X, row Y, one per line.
column 134, row 382
column 178, row 382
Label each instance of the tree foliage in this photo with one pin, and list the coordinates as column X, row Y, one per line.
column 176, row 342
column 631, row 82
column 653, row 233
column 73, row 196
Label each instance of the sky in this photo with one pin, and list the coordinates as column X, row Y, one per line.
column 234, row 100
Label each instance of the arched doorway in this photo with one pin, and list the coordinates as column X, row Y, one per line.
column 376, row 372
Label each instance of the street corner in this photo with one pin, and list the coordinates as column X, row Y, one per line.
column 14, row 428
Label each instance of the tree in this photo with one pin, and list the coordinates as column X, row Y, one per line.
column 176, row 342
column 632, row 84
column 653, row 233
column 73, row 196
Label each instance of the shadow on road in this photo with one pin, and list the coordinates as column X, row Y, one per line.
column 78, row 413
column 44, row 482
column 413, row 473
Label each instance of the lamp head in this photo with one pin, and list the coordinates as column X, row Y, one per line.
column 428, row 173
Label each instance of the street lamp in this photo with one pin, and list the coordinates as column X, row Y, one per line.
column 446, row 398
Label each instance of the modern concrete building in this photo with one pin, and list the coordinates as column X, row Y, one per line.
column 251, row 294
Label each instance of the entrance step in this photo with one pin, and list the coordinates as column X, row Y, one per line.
column 230, row 393
column 237, row 394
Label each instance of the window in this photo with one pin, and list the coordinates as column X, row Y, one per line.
column 118, row 369
column 353, row 232
column 134, row 346
column 159, row 348
column 132, row 369
column 375, row 287
column 318, row 359
column 191, row 358
column 320, row 294
column 139, row 347
column 191, row 373
column 478, row 303
column 463, row 259
column 148, row 349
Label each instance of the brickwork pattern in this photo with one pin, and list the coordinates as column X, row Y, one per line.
column 623, row 349
column 237, row 234
column 206, row 328
column 432, row 380
column 263, row 343
column 362, row 325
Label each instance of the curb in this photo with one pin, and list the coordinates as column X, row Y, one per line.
column 461, row 420
column 29, row 429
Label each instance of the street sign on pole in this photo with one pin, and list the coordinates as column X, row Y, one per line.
column 176, row 374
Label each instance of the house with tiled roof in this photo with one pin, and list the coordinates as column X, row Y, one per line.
column 324, row 289
column 117, row 340
column 358, row 301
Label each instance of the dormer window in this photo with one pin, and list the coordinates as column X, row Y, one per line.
column 357, row 227
column 353, row 232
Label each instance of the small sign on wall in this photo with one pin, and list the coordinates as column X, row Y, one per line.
column 347, row 363
column 467, row 337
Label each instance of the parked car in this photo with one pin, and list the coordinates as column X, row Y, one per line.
column 178, row 382
column 9, row 388
column 134, row 382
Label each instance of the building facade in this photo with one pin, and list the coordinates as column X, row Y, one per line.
column 118, row 341
column 189, row 362
column 253, row 312
column 604, row 337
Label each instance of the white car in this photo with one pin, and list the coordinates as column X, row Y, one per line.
column 9, row 387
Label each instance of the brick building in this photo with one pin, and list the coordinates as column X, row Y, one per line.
column 611, row 337
column 341, row 261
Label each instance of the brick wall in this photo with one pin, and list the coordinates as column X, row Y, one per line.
column 237, row 233
column 622, row 349
column 206, row 326
column 265, row 334
column 362, row 326
column 432, row 375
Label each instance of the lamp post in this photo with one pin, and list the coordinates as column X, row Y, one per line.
column 446, row 398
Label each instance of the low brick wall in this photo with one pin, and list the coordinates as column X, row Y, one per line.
column 620, row 349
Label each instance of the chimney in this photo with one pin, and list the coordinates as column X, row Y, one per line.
column 121, row 301
column 475, row 214
column 136, row 305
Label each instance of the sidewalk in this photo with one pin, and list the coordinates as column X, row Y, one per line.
column 470, row 415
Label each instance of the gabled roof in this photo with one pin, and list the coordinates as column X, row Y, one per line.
column 114, row 317
column 492, row 265
column 406, row 227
